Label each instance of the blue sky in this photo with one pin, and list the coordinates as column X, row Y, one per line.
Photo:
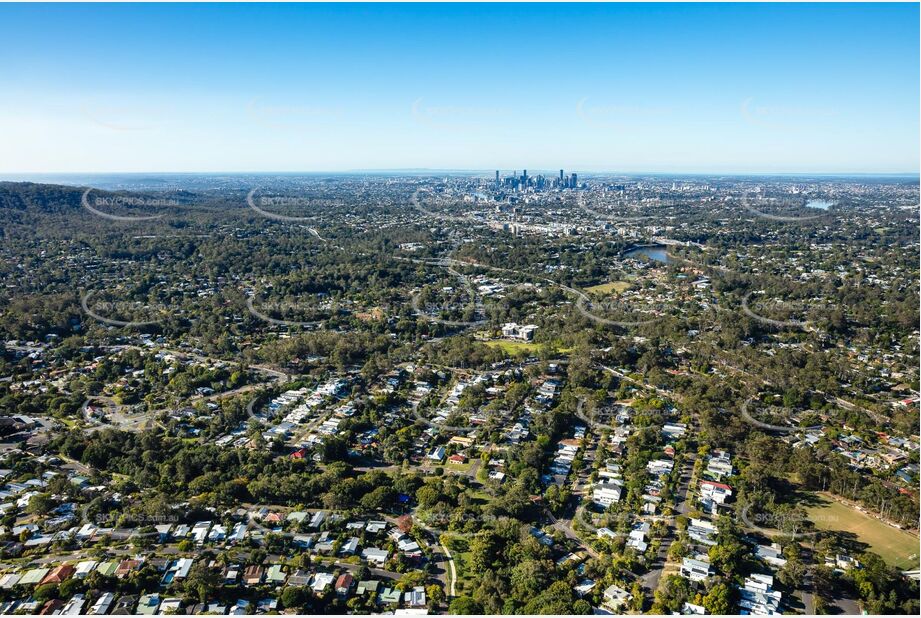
column 633, row 88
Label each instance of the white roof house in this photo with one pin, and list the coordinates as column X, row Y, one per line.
column 757, row 596
column 102, row 604
column 85, row 568
column 771, row 554
column 696, row 570
column 349, row 547
column 375, row 555
column 607, row 492
column 415, row 597
column 322, row 581
column 200, row 531
column 615, row 597
column 74, row 606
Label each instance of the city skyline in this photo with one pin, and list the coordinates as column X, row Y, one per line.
column 781, row 89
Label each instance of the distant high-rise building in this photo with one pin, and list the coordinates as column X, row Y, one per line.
column 497, row 179
column 561, row 176
column 575, row 180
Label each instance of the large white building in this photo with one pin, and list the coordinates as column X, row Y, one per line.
column 607, row 492
column 523, row 332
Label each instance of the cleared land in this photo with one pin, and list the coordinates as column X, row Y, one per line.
column 608, row 288
column 514, row 347
column 896, row 547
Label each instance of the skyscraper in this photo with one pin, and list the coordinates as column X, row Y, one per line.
column 561, row 176
column 575, row 180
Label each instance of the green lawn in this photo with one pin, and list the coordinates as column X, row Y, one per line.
column 464, row 467
column 896, row 547
column 514, row 347
column 607, row 288
column 479, row 495
column 462, row 555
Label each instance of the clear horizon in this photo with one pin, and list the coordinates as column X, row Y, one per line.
column 689, row 89
column 421, row 170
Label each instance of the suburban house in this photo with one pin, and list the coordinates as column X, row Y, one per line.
column 713, row 494
column 58, row 574
column 344, row 584
column 615, row 598
column 253, row 575
column 607, row 492
column 695, row 569
column 757, row 596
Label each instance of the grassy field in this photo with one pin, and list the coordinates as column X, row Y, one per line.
column 514, row 347
column 608, row 288
column 462, row 555
column 464, row 467
column 896, row 547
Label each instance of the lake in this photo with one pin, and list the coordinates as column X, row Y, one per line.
column 657, row 253
column 820, row 204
